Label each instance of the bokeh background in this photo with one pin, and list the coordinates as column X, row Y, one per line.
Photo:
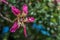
column 45, row 27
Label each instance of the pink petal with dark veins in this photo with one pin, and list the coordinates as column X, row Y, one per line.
column 30, row 19
column 25, row 33
column 14, row 27
column 15, row 10
column 4, row 1
column 25, row 9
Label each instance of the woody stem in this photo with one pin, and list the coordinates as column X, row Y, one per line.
column 6, row 18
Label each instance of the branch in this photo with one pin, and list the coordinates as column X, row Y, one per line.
column 6, row 18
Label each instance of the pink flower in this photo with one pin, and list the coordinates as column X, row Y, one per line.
column 25, row 9
column 21, row 22
column 14, row 27
column 4, row 1
column 15, row 10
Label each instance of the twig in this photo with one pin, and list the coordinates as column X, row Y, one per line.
column 6, row 18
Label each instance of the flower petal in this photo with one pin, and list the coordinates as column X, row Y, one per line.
column 30, row 19
column 25, row 9
column 25, row 34
column 58, row 1
column 4, row 1
column 14, row 27
column 15, row 10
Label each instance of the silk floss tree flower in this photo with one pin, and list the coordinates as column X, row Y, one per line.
column 21, row 18
column 20, row 21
